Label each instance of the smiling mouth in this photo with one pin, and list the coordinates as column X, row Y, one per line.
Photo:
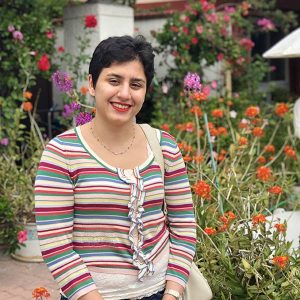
column 120, row 107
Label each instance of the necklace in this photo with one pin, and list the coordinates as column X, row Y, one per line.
column 107, row 148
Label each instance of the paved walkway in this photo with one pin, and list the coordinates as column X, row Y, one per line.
column 19, row 279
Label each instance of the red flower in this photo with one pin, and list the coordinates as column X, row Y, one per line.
column 90, row 21
column 262, row 160
column 189, row 127
column 227, row 217
column 210, row 231
column 263, row 173
column 61, row 49
column 280, row 227
column 198, row 158
column 281, row 109
column 165, row 127
column 260, row 218
column 185, row 30
column 217, row 113
column 202, row 189
column 290, row 152
column 275, row 190
column 258, row 132
column 187, row 158
column 49, row 35
column 270, row 148
column 174, row 28
column 252, row 111
column 44, row 63
column 194, row 41
column 220, row 56
column 247, row 44
column 280, row 261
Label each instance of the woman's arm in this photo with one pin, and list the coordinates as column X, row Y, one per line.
column 54, row 209
column 180, row 210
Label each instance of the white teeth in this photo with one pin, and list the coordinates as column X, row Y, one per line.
column 120, row 105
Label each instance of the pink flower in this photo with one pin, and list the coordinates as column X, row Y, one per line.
column 61, row 49
column 199, row 29
column 11, row 28
column 22, row 236
column 266, row 24
column 247, row 44
column 4, row 141
column 18, row 35
column 214, row 85
column 226, row 18
column 212, row 18
column 165, row 88
column 50, row 35
column 206, row 90
column 220, row 56
column 229, row 9
column 240, row 60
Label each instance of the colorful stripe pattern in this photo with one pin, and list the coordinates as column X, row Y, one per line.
column 82, row 214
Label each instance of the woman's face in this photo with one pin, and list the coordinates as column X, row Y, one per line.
column 120, row 91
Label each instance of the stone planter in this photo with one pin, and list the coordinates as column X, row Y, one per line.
column 31, row 251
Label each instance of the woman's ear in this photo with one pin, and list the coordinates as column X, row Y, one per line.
column 91, row 86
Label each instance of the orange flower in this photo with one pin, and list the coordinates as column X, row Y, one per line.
column 165, row 127
column 252, row 111
column 290, row 152
column 270, row 148
column 210, row 231
column 221, row 100
column 27, row 95
column 93, row 110
column 202, row 189
column 281, row 109
column 222, row 131
column 27, row 106
column 187, row 158
column 280, row 227
column 280, row 261
column 260, row 218
column 243, row 141
column 243, row 124
column 217, row 113
column 262, row 160
column 196, row 110
column 223, row 227
column 229, row 103
column 227, row 217
column 275, row 190
column 263, row 173
column 199, row 96
column 84, row 90
column 180, row 127
column 40, row 292
column 258, row 132
column 214, row 132
column 189, row 127
column 198, row 158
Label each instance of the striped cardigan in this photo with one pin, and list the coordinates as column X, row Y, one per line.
column 82, row 213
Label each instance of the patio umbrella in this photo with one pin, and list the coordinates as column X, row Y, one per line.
column 289, row 46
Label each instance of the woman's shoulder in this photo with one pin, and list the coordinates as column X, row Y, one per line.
column 63, row 139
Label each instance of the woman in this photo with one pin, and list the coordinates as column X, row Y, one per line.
column 100, row 192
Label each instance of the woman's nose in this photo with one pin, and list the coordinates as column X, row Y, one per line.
column 124, row 92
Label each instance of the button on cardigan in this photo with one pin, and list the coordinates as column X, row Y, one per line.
column 84, row 214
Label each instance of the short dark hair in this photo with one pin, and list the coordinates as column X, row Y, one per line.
column 122, row 49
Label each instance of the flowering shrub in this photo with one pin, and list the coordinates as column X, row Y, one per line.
column 239, row 172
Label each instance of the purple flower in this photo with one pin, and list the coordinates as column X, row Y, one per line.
column 68, row 111
column 18, row 35
column 83, row 118
column 192, row 82
column 62, row 81
column 4, row 141
column 75, row 106
column 11, row 28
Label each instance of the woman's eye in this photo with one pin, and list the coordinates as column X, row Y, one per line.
column 135, row 86
column 113, row 82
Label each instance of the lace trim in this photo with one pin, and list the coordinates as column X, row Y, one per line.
column 135, row 205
